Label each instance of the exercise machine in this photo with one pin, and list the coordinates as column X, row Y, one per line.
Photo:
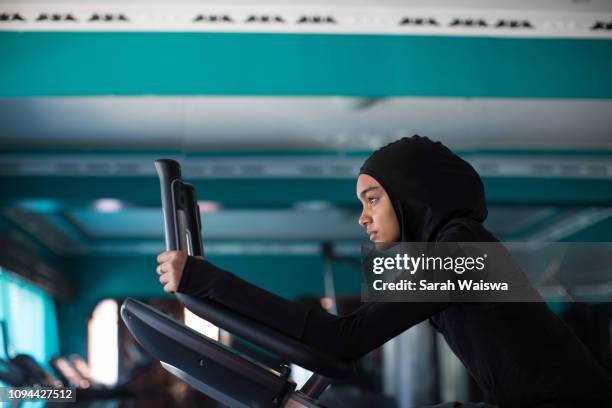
column 210, row 367
column 22, row 370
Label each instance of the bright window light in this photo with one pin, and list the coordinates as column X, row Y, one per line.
column 201, row 326
column 103, row 347
column 108, row 205
column 208, row 206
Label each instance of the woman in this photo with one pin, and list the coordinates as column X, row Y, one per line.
column 415, row 190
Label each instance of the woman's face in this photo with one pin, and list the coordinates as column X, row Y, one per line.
column 378, row 215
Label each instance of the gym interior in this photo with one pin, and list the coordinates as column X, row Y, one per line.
column 270, row 108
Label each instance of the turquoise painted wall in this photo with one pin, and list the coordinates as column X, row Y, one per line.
column 136, row 63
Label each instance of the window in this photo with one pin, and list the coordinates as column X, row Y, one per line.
column 103, row 347
column 29, row 317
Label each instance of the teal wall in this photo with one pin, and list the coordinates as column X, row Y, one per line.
column 137, row 63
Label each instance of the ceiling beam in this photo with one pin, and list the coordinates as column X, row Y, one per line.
column 197, row 63
column 284, row 193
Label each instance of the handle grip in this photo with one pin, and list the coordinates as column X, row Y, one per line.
column 182, row 223
column 169, row 171
column 193, row 223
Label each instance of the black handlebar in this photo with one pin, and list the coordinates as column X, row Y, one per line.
column 182, row 225
column 168, row 171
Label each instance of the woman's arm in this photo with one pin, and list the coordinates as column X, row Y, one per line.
column 204, row 280
column 348, row 337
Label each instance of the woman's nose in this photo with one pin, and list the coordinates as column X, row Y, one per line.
column 364, row 219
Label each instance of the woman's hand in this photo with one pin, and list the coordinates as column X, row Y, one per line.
column 170, row 269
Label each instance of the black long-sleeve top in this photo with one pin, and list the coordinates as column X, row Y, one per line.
column 520, row 354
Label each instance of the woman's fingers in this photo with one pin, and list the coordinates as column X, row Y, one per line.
column 170, row 287
column 170, row 269
column 170, row 284
column 167, row 256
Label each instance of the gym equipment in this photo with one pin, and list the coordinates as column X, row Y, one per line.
column 22, row 370
column 12, row 374
column 86, row 387
column 210, row 367
column 68, row 374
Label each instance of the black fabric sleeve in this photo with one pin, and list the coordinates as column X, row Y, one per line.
column 375, row 323
column 369, row 327
column 204, row 280
column 348, row 337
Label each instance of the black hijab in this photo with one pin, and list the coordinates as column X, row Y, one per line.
column 428, row 185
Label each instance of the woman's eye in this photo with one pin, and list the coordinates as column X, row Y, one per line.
column 372, row 200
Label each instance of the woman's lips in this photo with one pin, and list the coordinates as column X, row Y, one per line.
column 372, row 235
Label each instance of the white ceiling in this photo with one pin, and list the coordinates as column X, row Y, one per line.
column 543, row 18
column 541, row 5
column 296, row 123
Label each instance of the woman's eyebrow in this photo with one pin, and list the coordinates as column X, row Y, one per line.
column 367, row 190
